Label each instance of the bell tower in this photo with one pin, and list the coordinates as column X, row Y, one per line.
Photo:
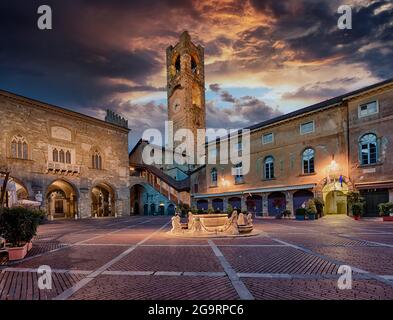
column 186, row 86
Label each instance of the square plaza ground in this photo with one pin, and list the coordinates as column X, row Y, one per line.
column 134, row 258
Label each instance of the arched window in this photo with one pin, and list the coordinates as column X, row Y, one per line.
column 55, row 155
column 61, row 156
column 19, row 148
column 97, row 160
column 177, row 64
column 239, row 173
column 368, row 149
column 213, row 177
column 194, row 67
column 68, row 157
column 269, row 168
column 308, row 159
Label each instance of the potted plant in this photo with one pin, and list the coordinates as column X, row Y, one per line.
column 300, row 214
column 229, row 210
column 18, row 226
column 386, row 211
column 319, row 204
column 356, row 204
column 287, row 213
column 311, row 209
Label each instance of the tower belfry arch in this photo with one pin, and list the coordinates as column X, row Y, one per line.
column 186, row 88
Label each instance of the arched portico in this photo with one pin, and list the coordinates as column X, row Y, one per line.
column 62, row 199
column 103, row 200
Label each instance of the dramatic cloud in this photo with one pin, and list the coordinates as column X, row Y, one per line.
column 112, row 53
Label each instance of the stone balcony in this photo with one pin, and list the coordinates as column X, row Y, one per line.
column 63, row 168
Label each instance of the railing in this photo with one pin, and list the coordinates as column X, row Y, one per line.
column 63, row 167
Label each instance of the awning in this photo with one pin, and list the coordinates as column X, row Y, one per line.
column 375, row 185
column 252, row 191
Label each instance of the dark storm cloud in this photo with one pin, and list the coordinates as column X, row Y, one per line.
column 215, row 87
column 308, row 28
column 57, row 63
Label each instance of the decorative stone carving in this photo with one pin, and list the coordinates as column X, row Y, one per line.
column 242, row 219
column 176, row 225
column 249, row 219
column 61, row 133
column 2, row 243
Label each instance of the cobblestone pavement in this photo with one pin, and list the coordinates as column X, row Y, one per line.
column 135, row 258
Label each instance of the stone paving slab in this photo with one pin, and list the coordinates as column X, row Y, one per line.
column 382, row 238
column 117, row 238
column 75, row 258
column 378, row 260
column 276, row 260
column 107, row 287
column 169, row 259
column 326, row 289
column 318, row 239
column 24, row 285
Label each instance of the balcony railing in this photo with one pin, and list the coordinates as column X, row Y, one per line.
column 63, row 167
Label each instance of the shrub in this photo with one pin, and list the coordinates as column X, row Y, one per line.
column 301, row 212
column 19, row 225
column 217, row 211
column 229, row 209
column 319, row 204
column 356, row 203
column 385, row 209
column 200, row 211
column 287, row 213
column 210, row 210
column 311, row 207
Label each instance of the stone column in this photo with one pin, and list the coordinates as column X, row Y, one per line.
column 84, row 205
column 209, row 203
column 225, row 204
column 265, row 204
column 243, row 203
column 289, row 202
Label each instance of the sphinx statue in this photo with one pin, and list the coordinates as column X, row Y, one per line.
column 249, row 219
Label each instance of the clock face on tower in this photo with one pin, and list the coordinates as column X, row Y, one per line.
column 176, row 105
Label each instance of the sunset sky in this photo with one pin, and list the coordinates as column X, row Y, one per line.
column 263, row 58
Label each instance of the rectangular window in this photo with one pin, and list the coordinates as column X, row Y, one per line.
column 368, row 109
column 267, row 138
column 307, row 127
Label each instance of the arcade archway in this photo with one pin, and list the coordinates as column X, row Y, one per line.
column 335, row 198
column 103, row 201
column 62, row 199
column 138, row 198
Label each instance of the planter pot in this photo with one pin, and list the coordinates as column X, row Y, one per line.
column 300, row 217
column 387, row 218
column 29, row 246
column 311, row 217
column 17, row 253
column 356, row 217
